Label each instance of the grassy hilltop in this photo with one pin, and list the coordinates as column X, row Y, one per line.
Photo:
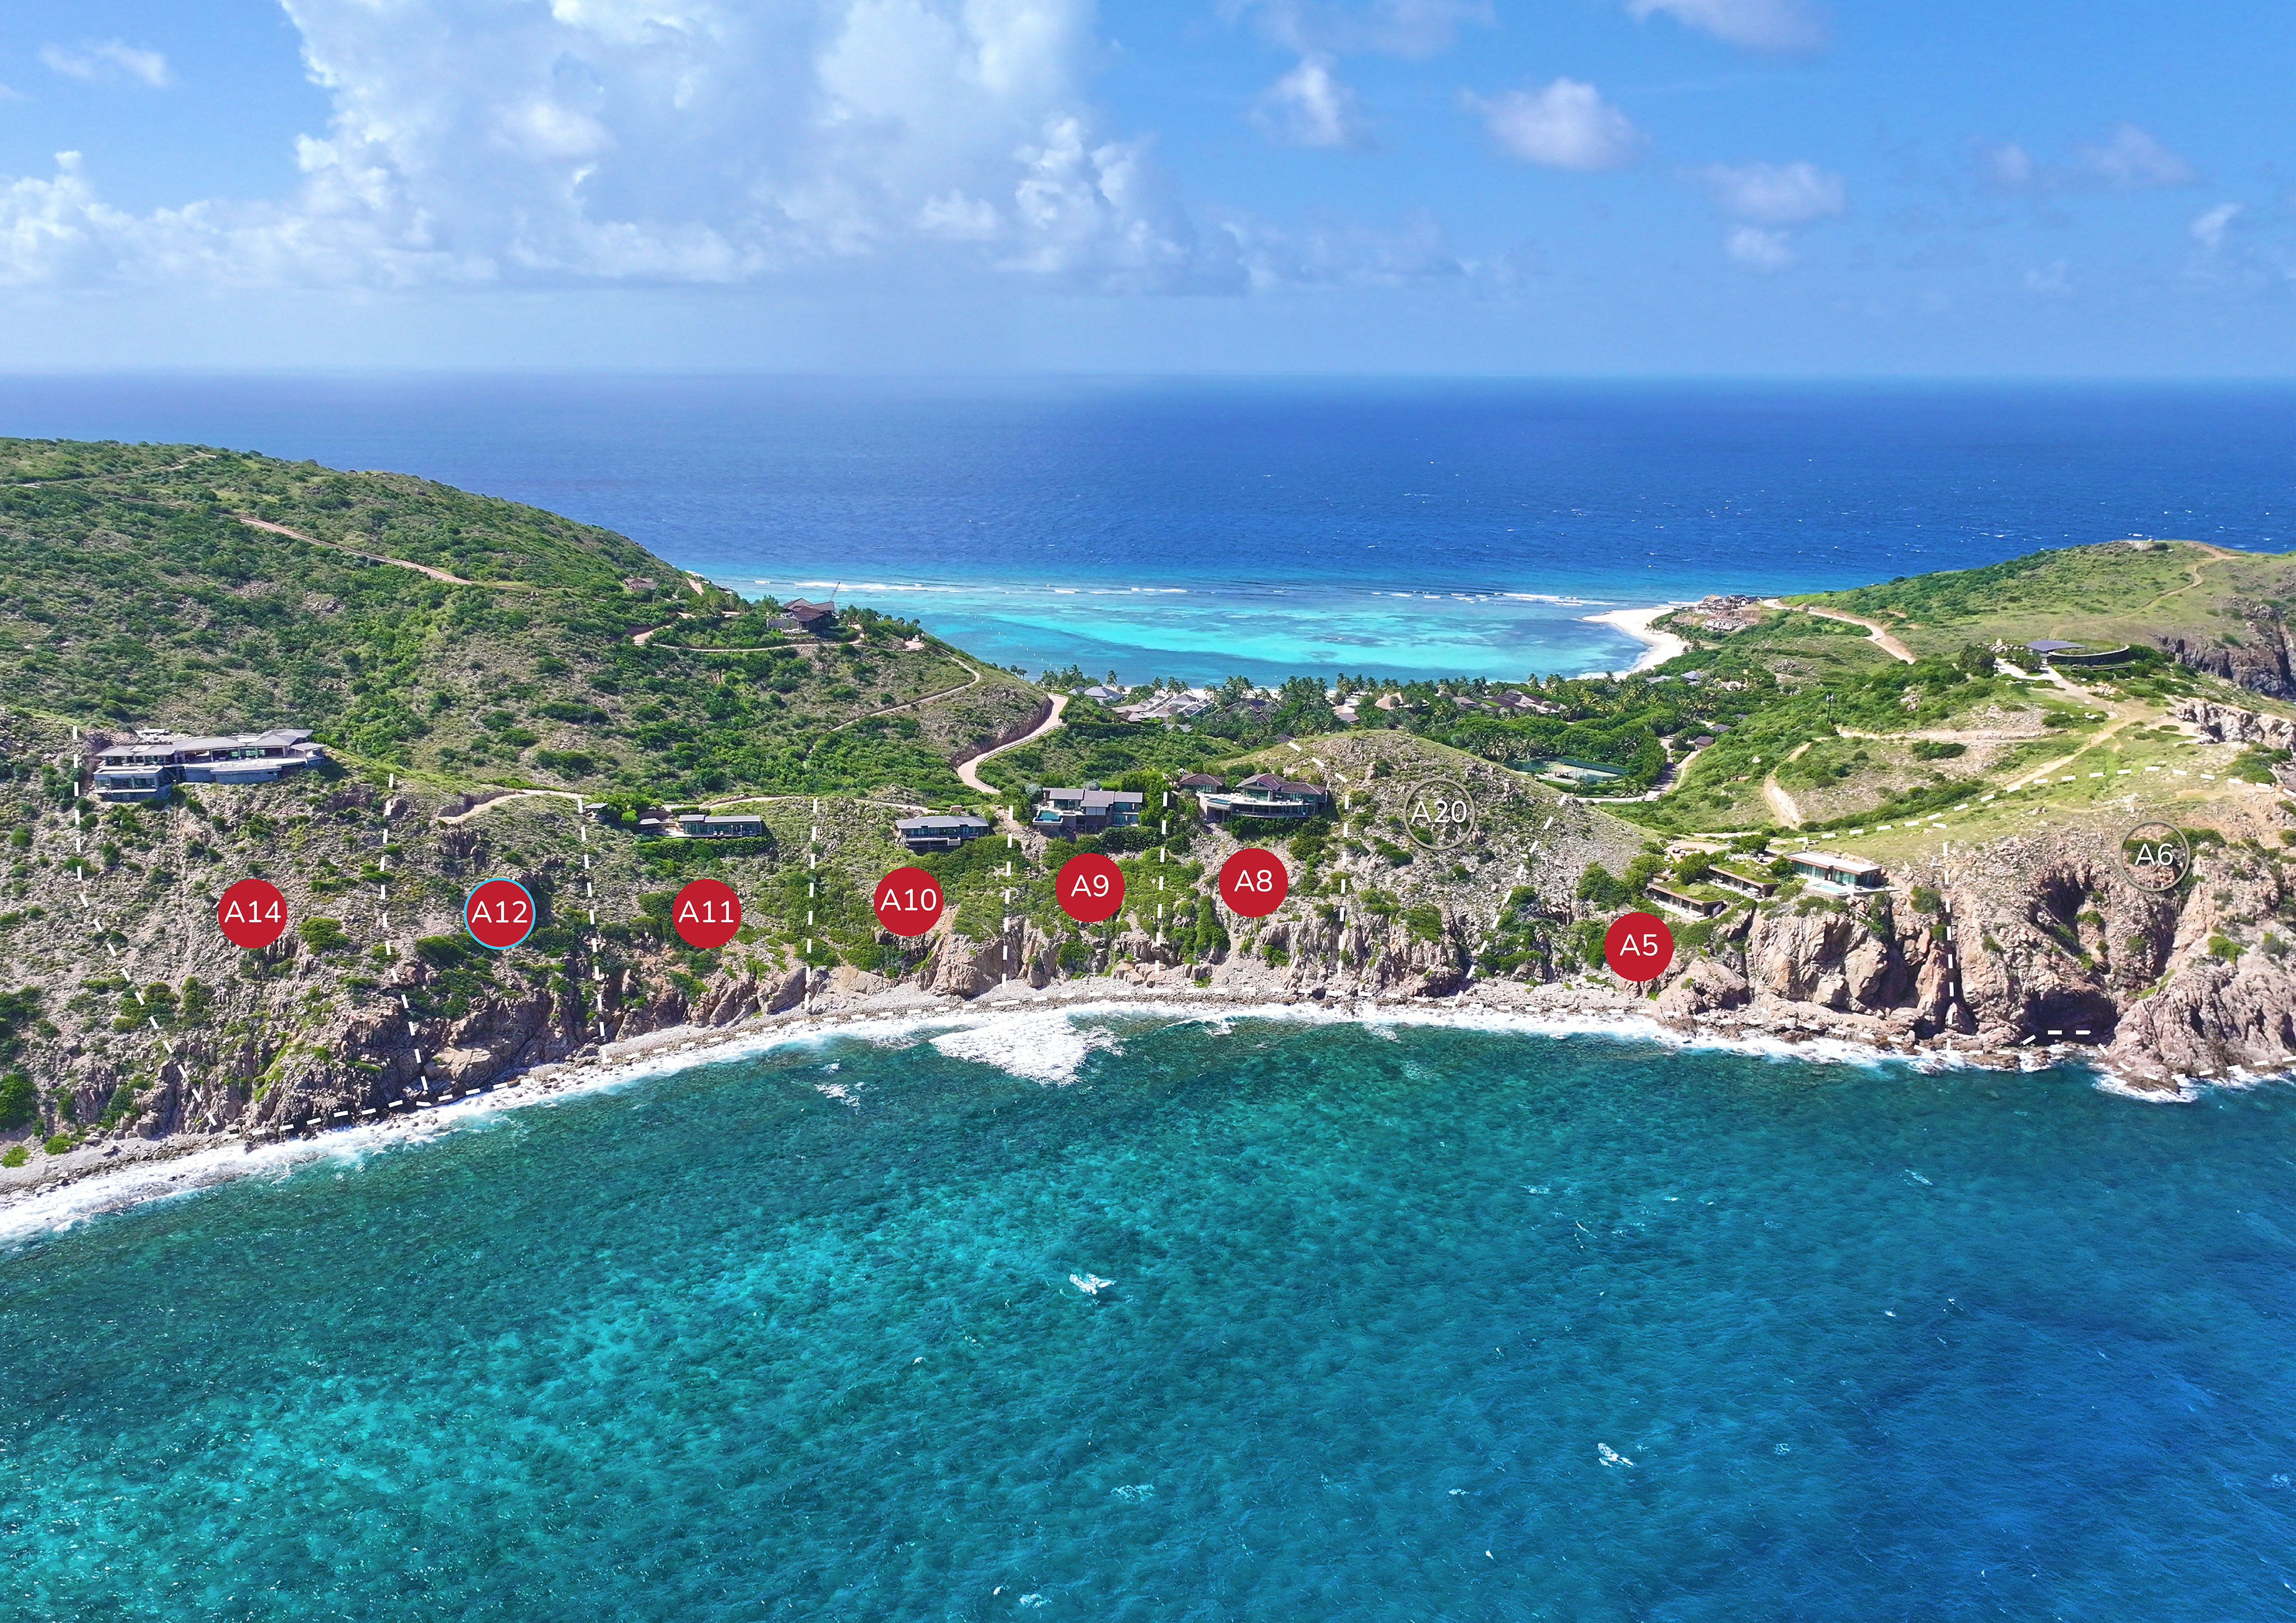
column 154, row 584
column 2222, row 611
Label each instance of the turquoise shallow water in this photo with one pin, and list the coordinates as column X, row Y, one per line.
column 723, row 1345
column 1271, row 527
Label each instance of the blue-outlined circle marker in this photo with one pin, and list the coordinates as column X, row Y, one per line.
column 499, row 914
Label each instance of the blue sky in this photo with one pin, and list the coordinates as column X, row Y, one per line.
column 1574, row 187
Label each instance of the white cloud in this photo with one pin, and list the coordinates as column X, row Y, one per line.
column 2008, row 166
column 1776, row 193
column 1566, row 125
column 2051, row 280
column 1769, row 201
column 1309, row 106
column 2130, row 160
column 667, row 141
column 2127, row 159
column 1336, row 27
column 1765, row 25
column 2208, row 228
column 97, row 61
column 1758, row 249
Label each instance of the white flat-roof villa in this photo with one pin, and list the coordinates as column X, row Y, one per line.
column 147, row 766
column 1839, row 875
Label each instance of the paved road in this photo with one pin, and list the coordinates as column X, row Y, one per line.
column 971, row 770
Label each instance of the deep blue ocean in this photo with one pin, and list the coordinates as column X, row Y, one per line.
column 1203, row 530
column 1426, row 1324
column 1413, row 1323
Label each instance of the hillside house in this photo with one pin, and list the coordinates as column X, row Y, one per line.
column 812, row 617
column 1727, row 878
column 737, row 825
column 1265, row 795
column 146, row 767
column 1681, row 902
column 1063, row 813
column 940, row 833
column 1835, row 874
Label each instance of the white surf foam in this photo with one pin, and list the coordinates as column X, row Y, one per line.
column 1044, row 1046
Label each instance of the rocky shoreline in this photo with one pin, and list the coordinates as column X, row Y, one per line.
column 846, row 1003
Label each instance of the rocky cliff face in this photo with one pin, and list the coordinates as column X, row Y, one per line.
column 2036, row 940
column 2263, row 659
column 2230, row 725
column 2041, row 940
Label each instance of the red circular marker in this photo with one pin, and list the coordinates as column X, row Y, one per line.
column 706, row 913
column 1090, row 887
column 908, row 901
column 1254, row 882
column 498, row 914
column 252, row 914
column 1638, row 947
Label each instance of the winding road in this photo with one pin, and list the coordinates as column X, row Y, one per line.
column 969, row 771
column 1875, row 632
column 403, row 563
column 1782, row 804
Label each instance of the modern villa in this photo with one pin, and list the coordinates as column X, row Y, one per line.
column 1839, row 875
column 1063, row 813
column 1683, row 902
column 146, row 767
column 1265, row 795
column 702, row 825
column 940, row 833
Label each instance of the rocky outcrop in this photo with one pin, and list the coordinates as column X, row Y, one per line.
column 2261, row 659
column 1706, row 986
column 2230, row 725
column 2212, row 1018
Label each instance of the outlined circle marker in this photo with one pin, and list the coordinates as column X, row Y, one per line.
column 1638, row 947
column 706, row 913
column 499, row 914
column 2157, row 855
column 1254, row 882
column 908, row 901
column 1440, row 812
column 1090, row 887
column 252, row 914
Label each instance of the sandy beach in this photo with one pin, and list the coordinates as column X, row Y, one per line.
column 1659, row 646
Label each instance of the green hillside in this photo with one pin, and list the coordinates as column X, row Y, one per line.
column 2225, row 612
column 154, row 584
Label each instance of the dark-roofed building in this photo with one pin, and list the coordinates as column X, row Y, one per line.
column 1063, row 813
column 810, row 615
column 940, row 832
column 736, row 825
column 1266, row 794
column 1196, row 780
